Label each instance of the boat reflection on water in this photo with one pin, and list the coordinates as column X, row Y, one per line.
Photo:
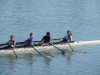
column 35, row 62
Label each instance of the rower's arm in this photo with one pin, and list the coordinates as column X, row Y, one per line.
column 14, row 43
column 70, row 38
column 50, row 39
column 7, row 43
column 26, row 40
column 42, row 39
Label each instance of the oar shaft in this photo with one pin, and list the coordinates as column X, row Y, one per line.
column 63, row 52
column 70, row 47
column 14, row 53
column 57, row 39
column 25, row 42
column 3, row 44
column 38, row 51
column 56, row 47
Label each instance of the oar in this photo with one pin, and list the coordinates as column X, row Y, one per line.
column 38, row 51
column 25, row 42
column 63, row 52
column 57, row 39
column 18, row 43
column 34, row 41
column 3, row 44
column 15, row 53
column 70, row 47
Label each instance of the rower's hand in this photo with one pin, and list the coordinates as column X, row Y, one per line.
column 12, row 46
column 50, row 43
column 32, row 45
column 26, row 41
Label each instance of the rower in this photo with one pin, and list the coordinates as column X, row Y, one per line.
column 11, row 43
column 68, row 37
column 30, row 40
column 45, row 40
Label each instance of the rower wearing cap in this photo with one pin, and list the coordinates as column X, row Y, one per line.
column 46, row 39
column 30, row 40
column 68, row 37
column 11, row 43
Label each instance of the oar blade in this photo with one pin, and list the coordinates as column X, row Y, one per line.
column 63, row 52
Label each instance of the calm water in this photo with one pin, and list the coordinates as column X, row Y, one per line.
column 21, row 17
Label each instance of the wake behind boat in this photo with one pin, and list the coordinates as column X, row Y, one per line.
column 63, row 46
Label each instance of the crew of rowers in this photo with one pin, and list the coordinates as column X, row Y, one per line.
column 46, row 40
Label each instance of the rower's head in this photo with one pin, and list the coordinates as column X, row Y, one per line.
column 69, row 32
column 12, row 37
column 48, row 33
column 31, row 35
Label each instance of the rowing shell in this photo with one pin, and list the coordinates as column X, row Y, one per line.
column 64, row 46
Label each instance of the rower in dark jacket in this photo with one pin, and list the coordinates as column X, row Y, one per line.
column 46, row 39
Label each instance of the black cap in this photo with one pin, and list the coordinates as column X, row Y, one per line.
column 48, row 33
